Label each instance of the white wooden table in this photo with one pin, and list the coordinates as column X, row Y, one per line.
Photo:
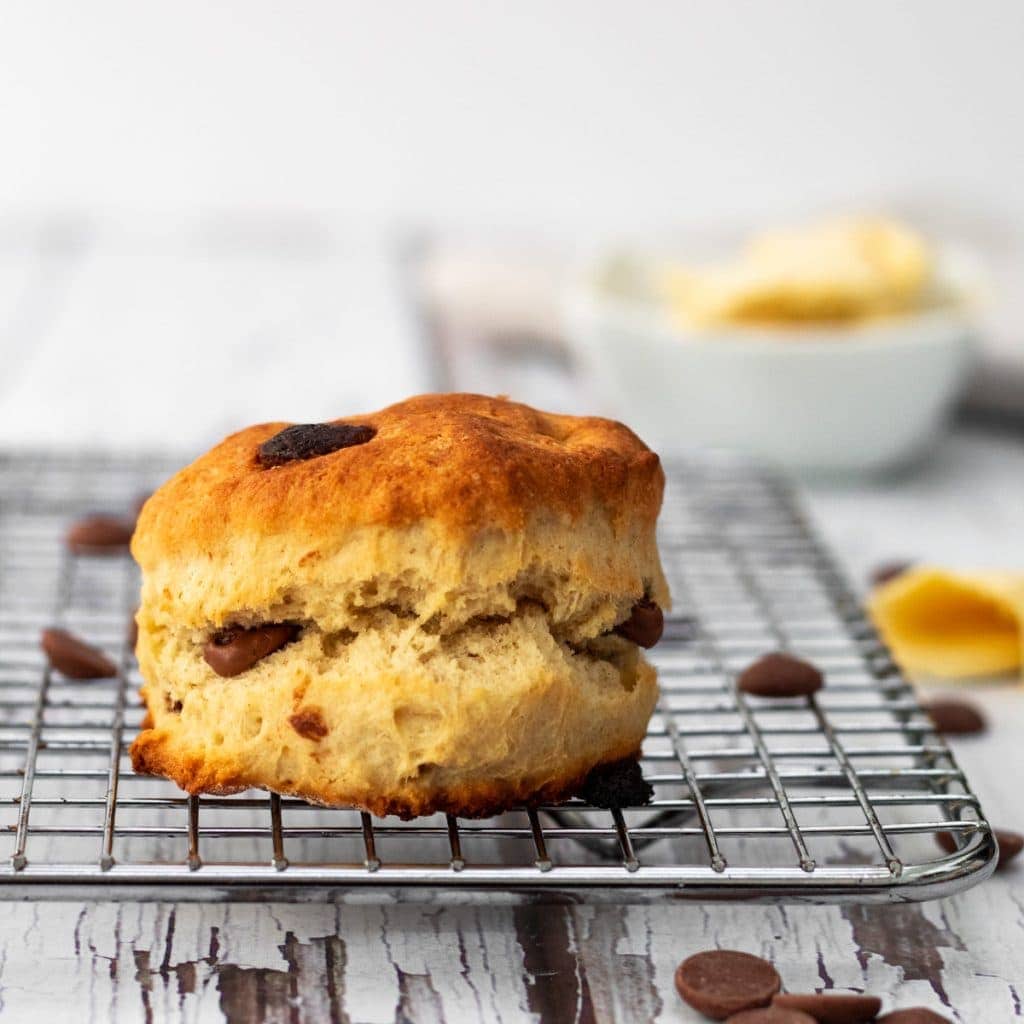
column 304, row 322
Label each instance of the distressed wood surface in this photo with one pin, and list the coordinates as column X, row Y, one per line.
column 486, row 960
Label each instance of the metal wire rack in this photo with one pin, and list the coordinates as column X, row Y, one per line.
column 833, row 798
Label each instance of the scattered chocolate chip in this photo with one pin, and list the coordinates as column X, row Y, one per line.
column 915, row 1015
column 780, row 675
column 173, row 706
column 832, row 1008
column 100, row 535
column 645, row 624
column 1010, row 844
column 619, row 784
column 771, row 1015
column 888, row 571
column 722, row 982
column 308, row 440
column 309, row 723
column 233, row 651
column 73, row 657
column 955, row 717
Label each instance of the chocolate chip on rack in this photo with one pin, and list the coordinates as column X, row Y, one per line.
column 780, row 675
column 234, row 651
column 1010, row 844
column 645, row 624
column 723, row 982
column 309, row 723
column 73, row 657
column 915, row 1015
column 101, row 535
column 771, row 1015
column 832, row 1008
column 310, row 440
column 953, row 717
column 619, row 784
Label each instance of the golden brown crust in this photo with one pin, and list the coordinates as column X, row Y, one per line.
column 481, row 798
column 465, row 461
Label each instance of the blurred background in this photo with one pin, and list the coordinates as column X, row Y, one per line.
column 216, row 213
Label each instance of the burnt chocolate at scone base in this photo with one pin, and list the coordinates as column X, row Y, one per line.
column 465, row 589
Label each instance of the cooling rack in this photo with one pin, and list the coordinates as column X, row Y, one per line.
column 833, row 798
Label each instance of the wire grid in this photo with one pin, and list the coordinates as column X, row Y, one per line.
column 835, row 797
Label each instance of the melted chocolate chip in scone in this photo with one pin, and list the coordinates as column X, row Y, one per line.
column 620, row 784
column 309, row 440
column 235, row 650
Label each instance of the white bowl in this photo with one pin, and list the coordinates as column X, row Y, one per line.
column 819, row 399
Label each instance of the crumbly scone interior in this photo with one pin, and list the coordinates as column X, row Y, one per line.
column 499, row 661
column 415, row 573
column 431, row 704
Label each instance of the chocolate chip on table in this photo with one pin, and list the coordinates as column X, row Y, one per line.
column 953, row 717
column 73, row 657
column 915, row 1015
column 780, row 675
column 619, row 784
column 309, row 723
column 309, row 440
column 888, row 571
column 235, row 650
column 832, row 1007
column 771, row 1015
column 722, row 982
column 1010, row 844
column 100, row 535
column 645, row 624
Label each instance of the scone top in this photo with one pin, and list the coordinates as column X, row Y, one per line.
column 468, row 461
column 452, row 490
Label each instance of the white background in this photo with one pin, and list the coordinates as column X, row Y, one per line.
column 198, row 199
column 575, row 113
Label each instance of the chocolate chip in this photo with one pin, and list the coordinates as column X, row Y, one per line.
column 722, row 982
column 619, row 784
column 780, row 675
column 309, row 440
column 771, row 1015
column 888, row 571
column 645, row 624
column 915, row 1015
column 832, row 1008
column 100, row 535
column 73, row 657
column 1010, row 844
column 955, row 717
column 234, row 651
column 309, row 723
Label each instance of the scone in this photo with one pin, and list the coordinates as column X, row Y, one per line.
column 435, row 607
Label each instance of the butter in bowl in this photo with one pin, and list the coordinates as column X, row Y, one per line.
column 834, row 347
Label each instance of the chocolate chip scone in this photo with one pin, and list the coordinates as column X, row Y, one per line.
column 436, row 607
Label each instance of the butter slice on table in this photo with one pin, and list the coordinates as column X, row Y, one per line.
column 836, row 271
column 952, row 625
